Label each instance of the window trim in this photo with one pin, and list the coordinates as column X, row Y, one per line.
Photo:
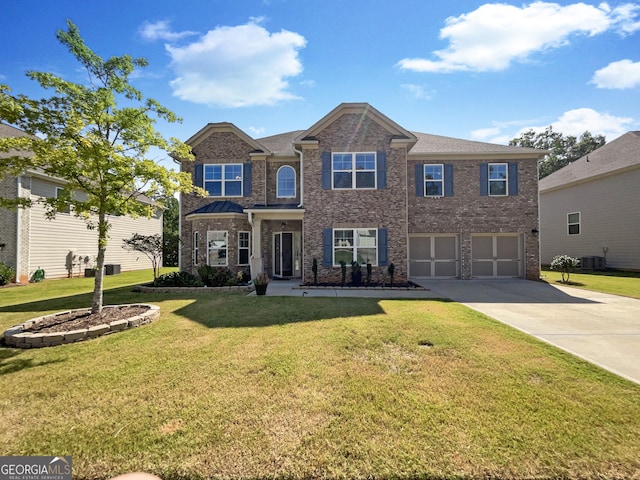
column 355, row 245
column 354, row 171
column 223, row 181
column 195, row 250
column 295, row 186
column 441, row 181
column 573, row 224
column 504, row 180
column 226, row 249
column 247, row 248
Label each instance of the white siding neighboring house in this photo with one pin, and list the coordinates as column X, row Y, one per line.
column 591, row 207
column 63, row 246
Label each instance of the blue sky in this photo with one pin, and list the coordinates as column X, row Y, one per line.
column 466, row 69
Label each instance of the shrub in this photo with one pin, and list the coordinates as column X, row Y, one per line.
column 215, row 276
column 565, row 265
column 6, row 273
column 177, row 279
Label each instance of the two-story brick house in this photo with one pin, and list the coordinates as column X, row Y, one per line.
column 356, row 186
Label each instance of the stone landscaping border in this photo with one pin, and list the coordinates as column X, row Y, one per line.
column 19, row 336
column 235, row 289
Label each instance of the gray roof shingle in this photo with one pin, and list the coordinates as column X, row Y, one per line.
column 219, row 206
column 619, row 154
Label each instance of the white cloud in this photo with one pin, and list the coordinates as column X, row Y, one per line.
column 237, row 66
column 161, row 30
column 418, row 91
column 493, row 36
column 576, row 122
column 572, row 122
column 621, row 74
column 256, row 131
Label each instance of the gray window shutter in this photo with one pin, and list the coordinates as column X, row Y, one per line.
column 326, row 170
column 419, row 180
column 327, row 246
column 199, row 176
column 513, row 179
column 448, row 180
column 484, row 179
column 383, row 255
column 246, row 180
column 381, row 159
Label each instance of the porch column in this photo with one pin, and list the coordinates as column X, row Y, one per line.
column 257, row 265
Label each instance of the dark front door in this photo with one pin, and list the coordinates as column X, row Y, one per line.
column 283, row 254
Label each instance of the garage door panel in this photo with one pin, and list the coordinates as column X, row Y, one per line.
column 507, row 247
column 508, row 269
column 482, row 247
column 446, row 269
column 419, row 269
column 445, row 248
column 420, row 248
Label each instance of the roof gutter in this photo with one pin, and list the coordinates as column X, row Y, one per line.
column 299, row 152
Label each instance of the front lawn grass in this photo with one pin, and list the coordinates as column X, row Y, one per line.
column 610, row 281
column 230, row 386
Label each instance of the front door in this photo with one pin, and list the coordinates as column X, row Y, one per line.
column 283, row 254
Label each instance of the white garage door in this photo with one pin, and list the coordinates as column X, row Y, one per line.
column 496, row 256
column 434, row 256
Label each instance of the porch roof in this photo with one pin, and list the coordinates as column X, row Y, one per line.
column 219, row 206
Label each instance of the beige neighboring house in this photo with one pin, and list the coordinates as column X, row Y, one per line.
column 358, row 187
column 63, row 246
column 591, row 207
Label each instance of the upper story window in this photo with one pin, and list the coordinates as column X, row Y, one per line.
column 353, row 170
column 59, row 195
column 434, row 180
column 223, row 180
column 286, row 182
column 573, row 223
column 498, row 179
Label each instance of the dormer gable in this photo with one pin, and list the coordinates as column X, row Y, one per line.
column 398, row 134
column 226, row 127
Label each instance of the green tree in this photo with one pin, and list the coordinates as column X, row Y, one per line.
column 562, row 149
column 95, row 137
column 170, row 232
column 150, row 245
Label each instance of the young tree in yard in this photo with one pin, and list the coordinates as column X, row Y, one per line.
column 95, row 138
column 150, row 245
column 562, row 150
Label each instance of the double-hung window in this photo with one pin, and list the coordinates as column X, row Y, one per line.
column 353, row 170
column 355, row 245
column 243, row 248
column 434, row 180
column 498, row 179
column 573, row 223
column 223, row 180
column 217, row 248
column 196, row 248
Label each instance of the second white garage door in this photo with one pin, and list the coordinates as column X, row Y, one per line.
column 496, row 255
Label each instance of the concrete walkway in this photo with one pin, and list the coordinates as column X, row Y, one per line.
column 601, row 328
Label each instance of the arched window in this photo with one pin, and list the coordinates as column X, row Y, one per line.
column 286, row 182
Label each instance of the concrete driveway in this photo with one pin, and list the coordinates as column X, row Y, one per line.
column 600, row 328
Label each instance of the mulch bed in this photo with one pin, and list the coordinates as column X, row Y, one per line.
column 80, row 319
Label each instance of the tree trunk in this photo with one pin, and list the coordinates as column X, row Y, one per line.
column 96, row 303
